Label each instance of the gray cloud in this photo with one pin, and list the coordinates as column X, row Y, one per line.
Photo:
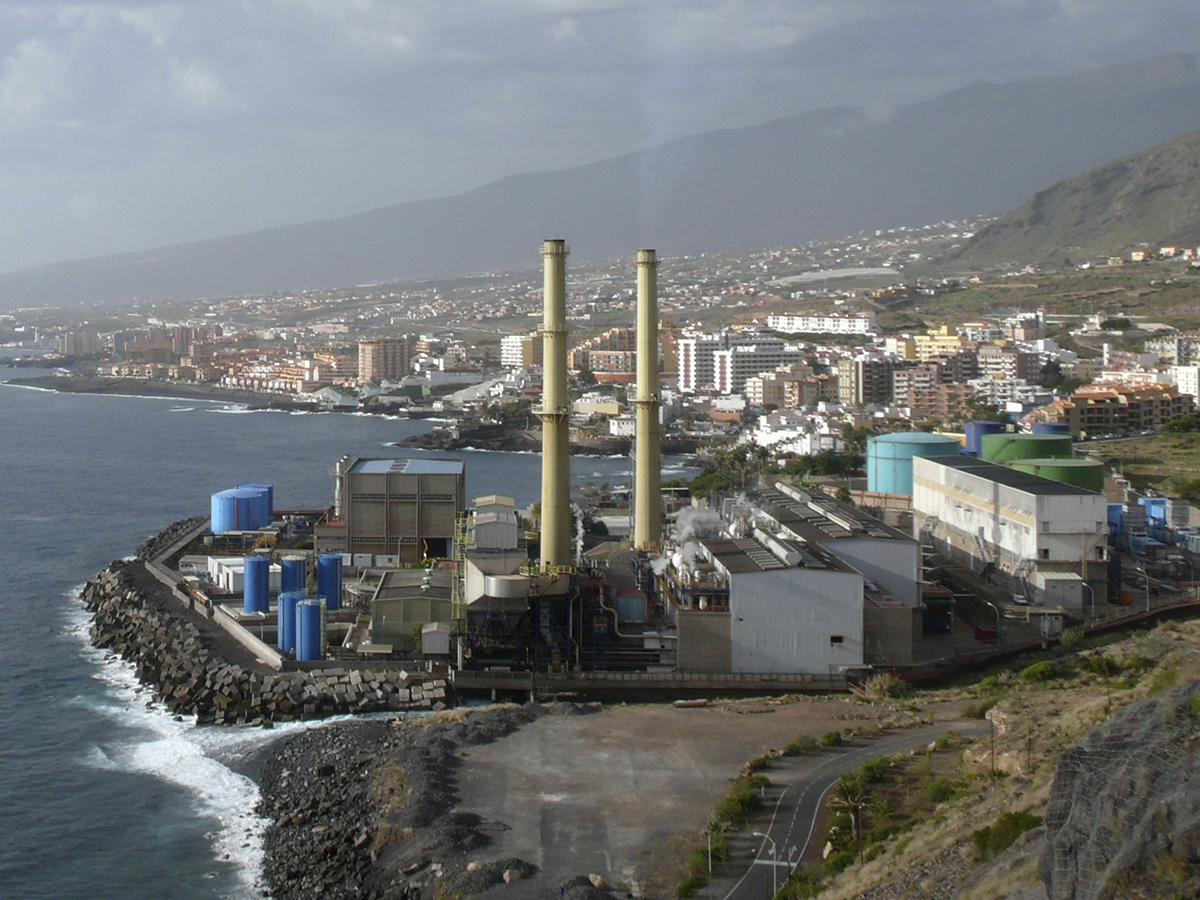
column 125, row 125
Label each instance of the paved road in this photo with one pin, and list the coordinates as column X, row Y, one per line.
column 799, row 784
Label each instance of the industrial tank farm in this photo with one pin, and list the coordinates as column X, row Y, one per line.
column 1001, row 448
column 890, row 456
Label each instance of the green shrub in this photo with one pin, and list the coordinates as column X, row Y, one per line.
column 874, row 769
column 1071, row 637
column 1046, row 670
column 940, row 790
column 995, row 839
column 841, row 859
column 690, row 886
column 1103, row 665
column 1164, row 679
column 743, row 800
column 757, row 764
column 1135, row 662
column 831, row 739
column 990, row 683
column 977, row 710
column 802, row 744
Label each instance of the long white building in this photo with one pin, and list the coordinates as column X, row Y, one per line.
column 1035, row 530
column 831, row 323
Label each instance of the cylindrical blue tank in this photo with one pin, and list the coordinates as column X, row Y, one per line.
column 975, row 431
column 266, row 506
column 329, row 579
column 310, row 630
column 890, row 456
column 232, row 511
column 293, row 573
column 1051, row 428
column 286, row 628
column 256, row 584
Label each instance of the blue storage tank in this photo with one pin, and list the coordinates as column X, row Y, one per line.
column 1051, row 428
column 890, row 456
column 329, row 579
column 256, row 584
column 267, row 506
column 310, row 630
column 293, row 573
column 233, row 511
column 286, row 628
column 975, row 431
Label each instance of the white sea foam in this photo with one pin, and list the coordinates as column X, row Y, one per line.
column 182, row 409
column 179, row 752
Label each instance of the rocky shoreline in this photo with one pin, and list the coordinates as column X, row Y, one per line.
column 361, row 809
column 366, row 810
column 196, row 669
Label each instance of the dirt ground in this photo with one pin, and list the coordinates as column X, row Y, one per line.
column 569, row 794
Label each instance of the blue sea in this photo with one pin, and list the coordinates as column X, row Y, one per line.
column 103, row 794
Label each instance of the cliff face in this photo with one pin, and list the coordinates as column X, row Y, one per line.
column 1123, row 818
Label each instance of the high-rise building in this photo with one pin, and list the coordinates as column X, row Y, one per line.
column 382, row 359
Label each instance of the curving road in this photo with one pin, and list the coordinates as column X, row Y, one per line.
column 799, row 785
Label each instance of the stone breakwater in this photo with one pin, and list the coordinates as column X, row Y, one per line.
column 197, row 669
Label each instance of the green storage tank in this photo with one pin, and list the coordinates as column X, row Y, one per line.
column 1003, row 447
column 1085, row 473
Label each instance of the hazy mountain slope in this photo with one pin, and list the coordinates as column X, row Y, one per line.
column 981, row 149
column 1148, row 197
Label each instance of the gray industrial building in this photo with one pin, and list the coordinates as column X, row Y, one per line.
column 402, row 508
column 796, row 583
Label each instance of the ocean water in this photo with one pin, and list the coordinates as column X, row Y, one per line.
column 103, row 794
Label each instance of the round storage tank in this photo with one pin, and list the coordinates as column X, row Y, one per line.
column 1051, row 428
column 1085, row 473
column 267, row 507
column 329, row 579
column 232, row 511
column 293, row 573
column 286, row 627
column 1003, row 447
column 256, row 584
column 890, row 456
column 310, row 630
column 506, row 587
column 975, row 431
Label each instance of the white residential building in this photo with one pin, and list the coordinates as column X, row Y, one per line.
column 830, row 323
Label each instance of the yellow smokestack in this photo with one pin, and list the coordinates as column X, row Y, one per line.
column 556, row 472
column 647, row 511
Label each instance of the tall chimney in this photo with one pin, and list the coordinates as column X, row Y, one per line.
column 647, row 511
column 556, row 473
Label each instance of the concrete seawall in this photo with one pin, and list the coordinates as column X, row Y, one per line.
column 196, row 669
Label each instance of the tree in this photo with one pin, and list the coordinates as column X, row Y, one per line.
column 852, row 797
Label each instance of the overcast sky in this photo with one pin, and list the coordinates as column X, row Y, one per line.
column 130, row 125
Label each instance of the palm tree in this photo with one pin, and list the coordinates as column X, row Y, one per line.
column 852, row 797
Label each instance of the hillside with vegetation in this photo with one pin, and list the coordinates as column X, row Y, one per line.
column 1147, row 199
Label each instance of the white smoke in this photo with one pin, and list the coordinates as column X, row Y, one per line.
column 696, row 523
column 578, row 533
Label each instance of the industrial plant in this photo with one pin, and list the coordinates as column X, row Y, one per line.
column 778, row 585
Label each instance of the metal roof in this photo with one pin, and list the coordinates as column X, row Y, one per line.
column 409, row 466
column 1025, row 482
column 740, row 556
column 822, row 519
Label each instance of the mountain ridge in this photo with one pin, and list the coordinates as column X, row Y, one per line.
column 980, row 149
column 1150, row 198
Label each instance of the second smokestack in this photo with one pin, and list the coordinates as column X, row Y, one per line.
column 555, row 410
column 647, row 510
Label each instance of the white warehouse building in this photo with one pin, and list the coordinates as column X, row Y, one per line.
column 1050, row 538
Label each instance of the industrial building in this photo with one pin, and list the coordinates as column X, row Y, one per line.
column 795, row 582
column 407, row 508
column 1049, row 539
